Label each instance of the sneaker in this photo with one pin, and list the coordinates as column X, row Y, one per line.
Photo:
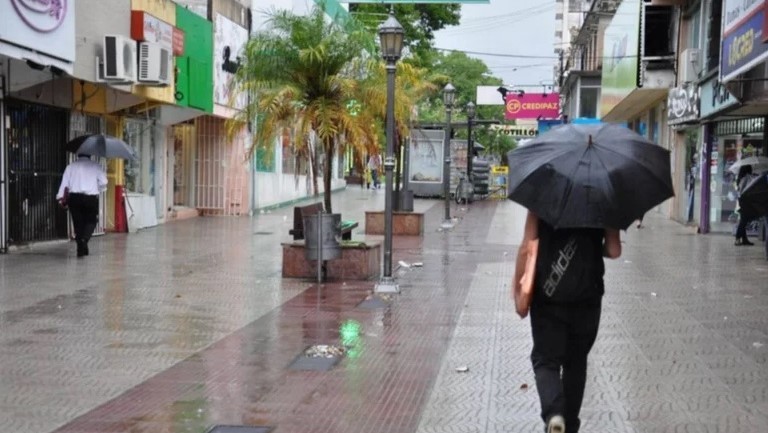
column 556, row 424
column 746, row 242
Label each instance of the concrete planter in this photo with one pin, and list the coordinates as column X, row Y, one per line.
column 403, row 223
column 358, row 261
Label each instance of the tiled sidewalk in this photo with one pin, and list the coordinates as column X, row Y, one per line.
column 188, row 325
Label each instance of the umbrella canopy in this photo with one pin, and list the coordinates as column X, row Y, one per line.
column 758, row 163
column 599, row 176
column 102, row 145
column 754, row 198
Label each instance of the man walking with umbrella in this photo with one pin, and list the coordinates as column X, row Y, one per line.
column 581, row 185
column 81, row 184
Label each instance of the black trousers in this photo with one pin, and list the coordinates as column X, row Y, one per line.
column 85, row 215
column 563, row 335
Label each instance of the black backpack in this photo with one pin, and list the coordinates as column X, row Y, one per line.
column 569, row 267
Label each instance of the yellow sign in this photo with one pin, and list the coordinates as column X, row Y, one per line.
column 499, row 169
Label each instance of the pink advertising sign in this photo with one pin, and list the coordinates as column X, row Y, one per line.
column 532, row 106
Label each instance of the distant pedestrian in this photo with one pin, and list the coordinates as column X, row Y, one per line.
column 565, row 314
column 374, row 164
column 742, row 180
column 81, row 184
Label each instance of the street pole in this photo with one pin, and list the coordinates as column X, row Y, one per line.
column 447, row 169
column 389, row 165
column 449, row 93
column 391, row 35
column 469, row 187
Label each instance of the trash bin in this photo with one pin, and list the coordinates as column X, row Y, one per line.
column 322, row 232
column 406, row 200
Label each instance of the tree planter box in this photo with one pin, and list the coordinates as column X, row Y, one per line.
column 358, row 261
column 403, row 223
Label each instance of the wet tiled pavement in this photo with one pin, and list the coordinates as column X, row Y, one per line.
column 189, row 325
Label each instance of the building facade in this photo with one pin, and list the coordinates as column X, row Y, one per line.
column 155, row 73
column 679, row 73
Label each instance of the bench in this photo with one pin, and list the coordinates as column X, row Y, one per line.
column 358, row 261
column 299, row 212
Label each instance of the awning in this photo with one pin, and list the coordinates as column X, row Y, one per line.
column 635, row 103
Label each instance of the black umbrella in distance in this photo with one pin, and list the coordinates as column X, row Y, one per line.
column 753, row 200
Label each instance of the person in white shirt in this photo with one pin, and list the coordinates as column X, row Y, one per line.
column 374, row 163
column 81, row 184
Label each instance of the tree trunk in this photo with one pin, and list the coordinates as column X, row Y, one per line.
column 327, row 172
column 311, row 151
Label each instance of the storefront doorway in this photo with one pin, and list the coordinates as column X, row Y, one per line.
column 724, row 198
column 184, row 145
column 35, row 138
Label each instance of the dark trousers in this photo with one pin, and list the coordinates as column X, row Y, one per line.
column 741, row 229
column 563, row 335
column 85, row 215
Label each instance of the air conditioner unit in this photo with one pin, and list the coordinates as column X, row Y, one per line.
column 119, row 59
column 690, row 65
column 155, row 64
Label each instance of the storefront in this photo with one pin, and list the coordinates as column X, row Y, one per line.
column 720, row 141
column 37, row 45
column 683, row 108
column 732, row 140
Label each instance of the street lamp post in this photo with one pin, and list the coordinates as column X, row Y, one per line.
column 391, row 35
column 471, row 112
column 449, row 95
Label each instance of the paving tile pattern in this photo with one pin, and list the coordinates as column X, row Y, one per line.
column 680, row 347
column 189, row 325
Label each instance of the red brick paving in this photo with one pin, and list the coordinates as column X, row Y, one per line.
column 380, row 386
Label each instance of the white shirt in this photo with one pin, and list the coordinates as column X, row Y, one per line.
column 83, row 176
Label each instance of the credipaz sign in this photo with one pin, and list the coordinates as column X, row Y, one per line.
column 532, row 106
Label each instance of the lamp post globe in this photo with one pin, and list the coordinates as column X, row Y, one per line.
column 391, row 36
column 391, row 39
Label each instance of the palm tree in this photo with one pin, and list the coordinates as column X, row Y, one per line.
column 299, row 76
column 412, row 84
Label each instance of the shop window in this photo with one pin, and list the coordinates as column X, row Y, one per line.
column 658, row 41
column 713, row 35
column 588, row 97
column 265, row 160
column 289, row 157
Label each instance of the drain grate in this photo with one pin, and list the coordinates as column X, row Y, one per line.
column 319, row 357
column 239, row 429
column 373, row 303
column 263, row 233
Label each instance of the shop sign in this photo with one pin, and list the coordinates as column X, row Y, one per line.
column 532, row 106
column 516, row 131
column 149, row 28
column 715, row 97
column 41, row 26
column 620, row 56
column 742, row 42
column 229, row 41
column 683, row 104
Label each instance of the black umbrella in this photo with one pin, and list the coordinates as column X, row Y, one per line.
column 100, row 145
column 754, row 199
column 596, row 176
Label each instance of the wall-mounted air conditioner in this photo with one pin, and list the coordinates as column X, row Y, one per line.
column 690, row 65
column 118, row 62
column 155, row 64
